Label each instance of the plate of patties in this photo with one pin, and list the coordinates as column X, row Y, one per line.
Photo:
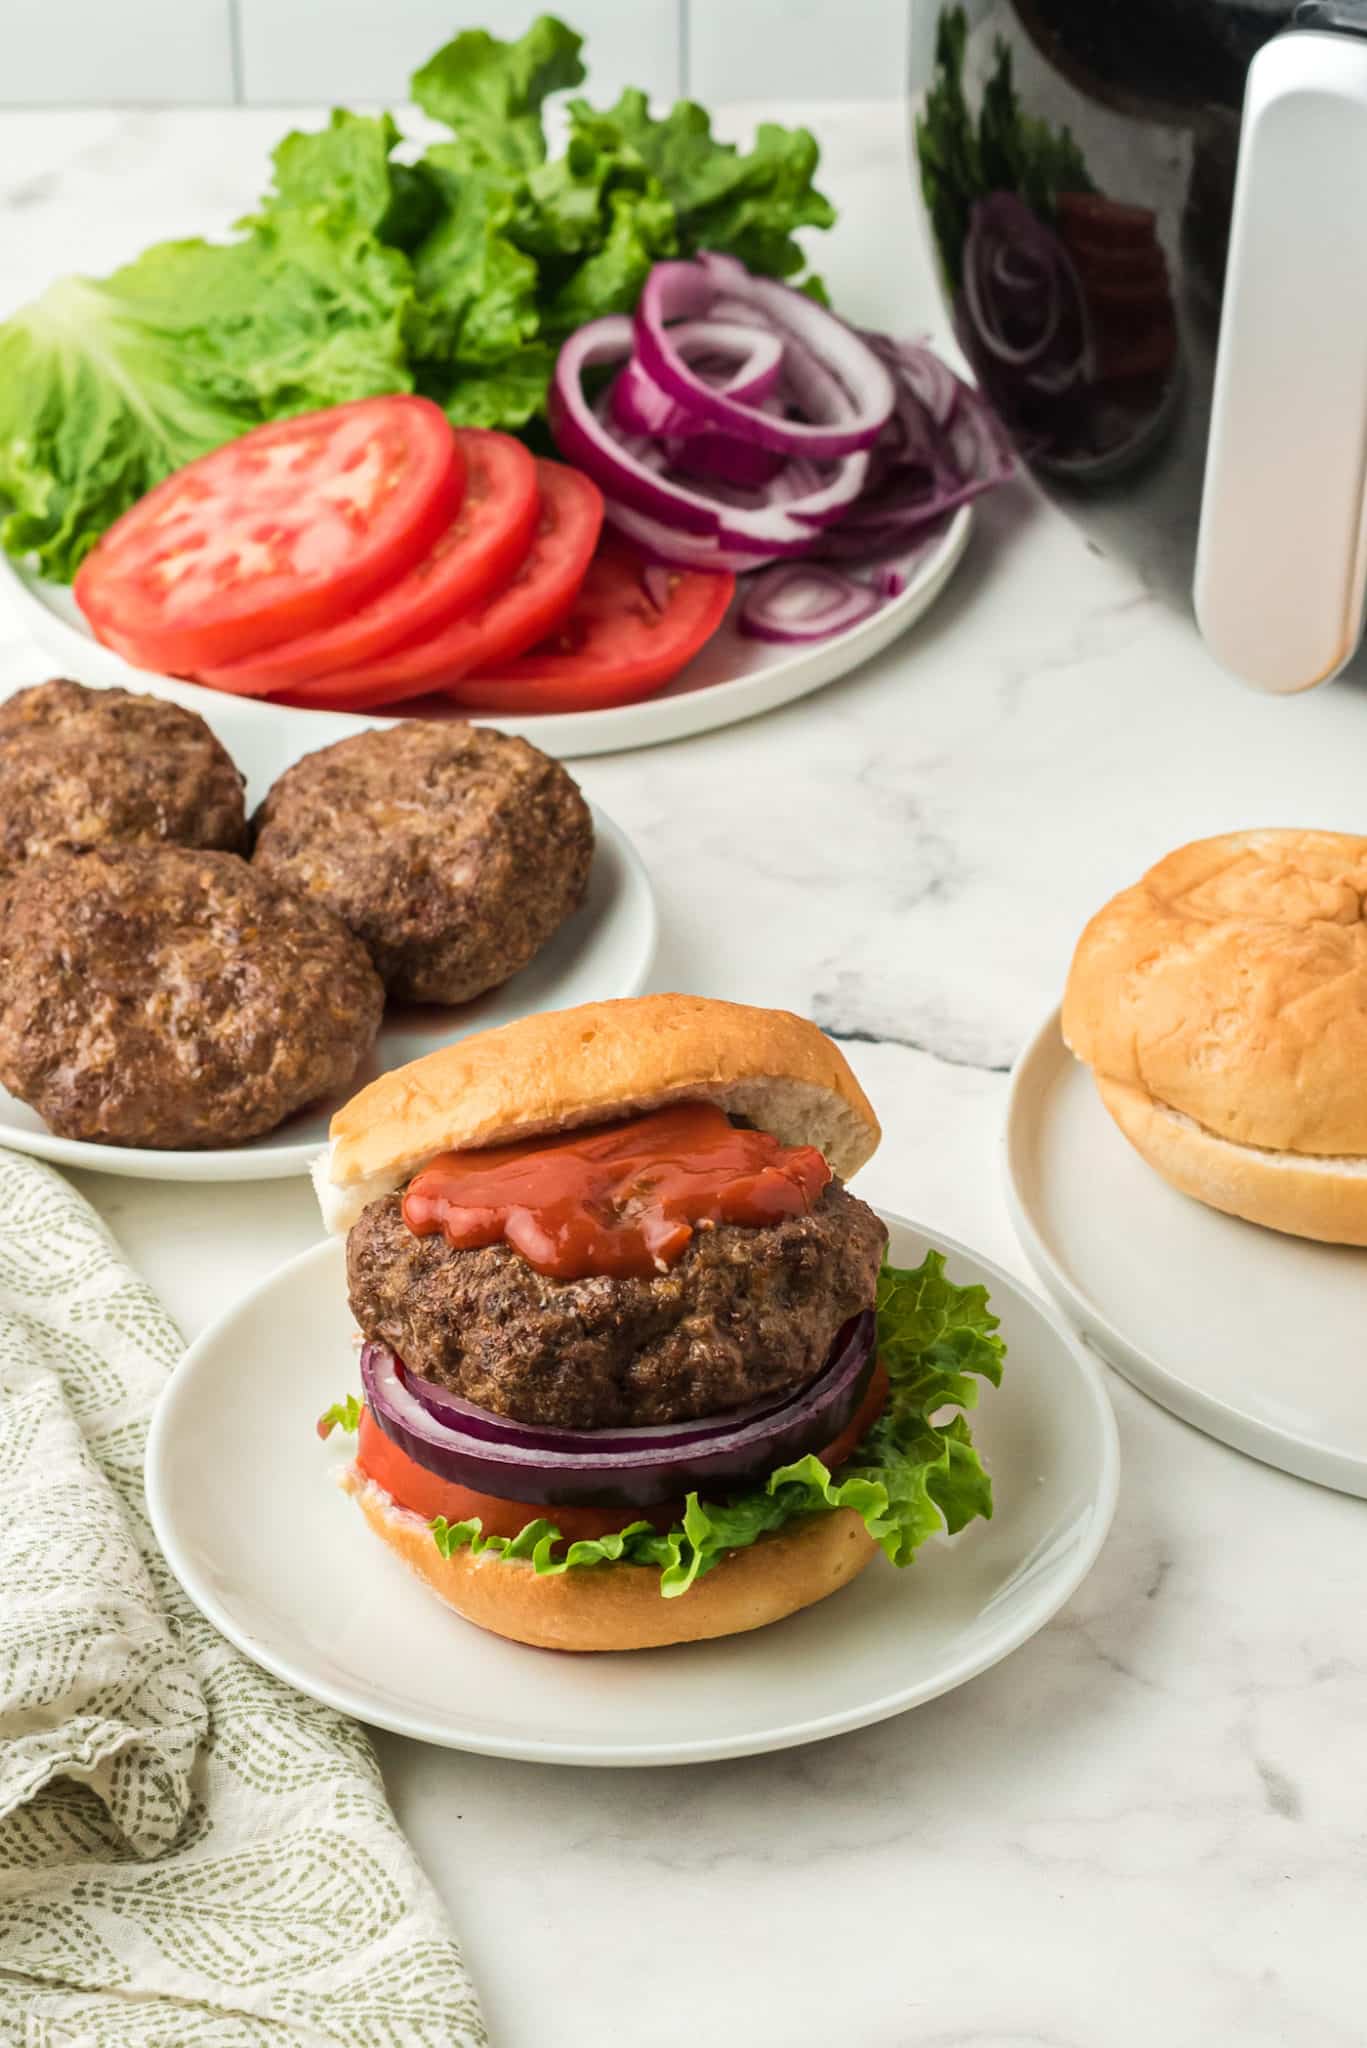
column 1186, row 1144
column 610, row 1426
column 206, row 946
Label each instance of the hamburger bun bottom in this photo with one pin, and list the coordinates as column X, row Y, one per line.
column 1300, row 1194
column 620, row 1606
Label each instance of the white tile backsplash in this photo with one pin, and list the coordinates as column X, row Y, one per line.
column 797, row 49
column 116, row 52
column 320, row 52
column 357, row 50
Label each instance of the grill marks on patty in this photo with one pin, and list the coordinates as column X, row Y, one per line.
column 743, row 1314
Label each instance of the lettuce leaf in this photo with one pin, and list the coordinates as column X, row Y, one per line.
column 914, row 1473
column 456, row 275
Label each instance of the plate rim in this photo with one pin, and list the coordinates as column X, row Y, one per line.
column 1284, row 1450
column 1034, row 1615
column 566, row 735
column 238, row 1164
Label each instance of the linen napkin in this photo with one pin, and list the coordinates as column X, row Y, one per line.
column 189, row 1852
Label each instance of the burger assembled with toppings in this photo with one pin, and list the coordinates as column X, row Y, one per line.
column 635, row 1370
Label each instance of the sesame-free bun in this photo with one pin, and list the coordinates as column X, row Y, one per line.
column 1222, row 1005
column 1304, row 1194
column 620, row 1606
column 567, row 1068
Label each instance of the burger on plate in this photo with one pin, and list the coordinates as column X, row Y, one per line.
column 634, row 1369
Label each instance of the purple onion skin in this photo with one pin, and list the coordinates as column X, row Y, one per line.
column 588, row 1476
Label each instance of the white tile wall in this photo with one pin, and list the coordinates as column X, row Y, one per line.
column 797, row 49
column 311, row 52
column 329, row 50
column 84, row 52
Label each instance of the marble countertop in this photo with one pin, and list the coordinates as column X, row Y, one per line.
column 1148, row 1824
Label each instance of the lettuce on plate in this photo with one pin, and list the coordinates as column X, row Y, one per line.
column 368, row 267
column 916, row 1472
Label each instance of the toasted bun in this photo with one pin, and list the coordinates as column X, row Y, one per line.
column 1303, row 1194
column 588, row 1065
column 1231, row 984
column 620, row 1606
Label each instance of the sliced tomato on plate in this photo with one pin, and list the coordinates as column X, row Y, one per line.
column 617, row 645
column 535, row 599
column 274, row 534
column 477, row 554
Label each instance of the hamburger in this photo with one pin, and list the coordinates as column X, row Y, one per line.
column 1221, row 1004
column 634, row 1368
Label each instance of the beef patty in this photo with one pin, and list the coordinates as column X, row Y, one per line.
column 165, row 997
column 743, row 1313
column 453, row 851
column 85, row 767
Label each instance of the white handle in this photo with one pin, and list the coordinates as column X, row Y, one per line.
column 1281, row 560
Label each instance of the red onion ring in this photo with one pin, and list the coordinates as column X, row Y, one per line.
column 839, row 376
column 563, row 1468
column 795, row 602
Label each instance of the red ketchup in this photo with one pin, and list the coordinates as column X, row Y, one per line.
column 621, row 1199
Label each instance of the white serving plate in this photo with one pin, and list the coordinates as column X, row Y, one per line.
column 1254, row 1337
column 606, row 949
column 733, row 678
column 300, row 1585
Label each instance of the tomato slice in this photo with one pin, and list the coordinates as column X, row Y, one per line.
column 536, row 597
column 615, row 647
column 274, row 534
column 479, row 551
column 424, row 1493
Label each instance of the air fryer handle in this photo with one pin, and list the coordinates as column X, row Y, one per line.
column 1281, row 560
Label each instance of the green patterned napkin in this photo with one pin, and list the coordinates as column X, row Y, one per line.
column 189, row 1851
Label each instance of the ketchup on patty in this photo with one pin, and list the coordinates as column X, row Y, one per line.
column 619, row 1199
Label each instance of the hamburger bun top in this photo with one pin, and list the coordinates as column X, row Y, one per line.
column 1230, row 984
column 601, row 1061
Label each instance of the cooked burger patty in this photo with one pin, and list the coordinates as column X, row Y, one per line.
column 85, row 767
column 164, row 997
column 453, row 851
column 743, row 1313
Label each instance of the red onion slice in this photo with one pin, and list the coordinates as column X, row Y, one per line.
column 845, row 383
column 639, row 406
column 631, row 472
column 550, row 1468
column 801, row 601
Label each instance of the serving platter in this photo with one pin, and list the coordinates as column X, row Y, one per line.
column 606, row 949
column 302, row 1587
column 731, row 679
column 1252, row 1336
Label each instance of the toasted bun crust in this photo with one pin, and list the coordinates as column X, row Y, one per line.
column 1303, row 1194
column 620, row 1606
column 587, row 1065
column 1230, row 984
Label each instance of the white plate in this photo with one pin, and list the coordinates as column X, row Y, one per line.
column 606, row 949
column 300, row 1584
column 1254, row 1337
column 733, row 678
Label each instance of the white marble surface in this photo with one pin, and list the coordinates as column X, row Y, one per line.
column 1149, row 1824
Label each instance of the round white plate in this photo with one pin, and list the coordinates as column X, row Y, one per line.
column 1252, row 1336
column 302, row 1586
column 606, row 949
column 733, row 678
